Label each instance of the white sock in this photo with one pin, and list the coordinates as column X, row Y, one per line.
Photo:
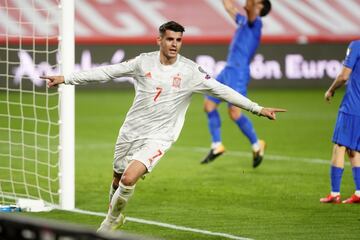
column 256, row 147
column 111, row 192
column 119, row 200
column 215, row 145
column 334, row 194
column 357, row 193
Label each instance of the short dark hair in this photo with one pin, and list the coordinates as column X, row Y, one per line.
column 266, row 9
column 172, row 25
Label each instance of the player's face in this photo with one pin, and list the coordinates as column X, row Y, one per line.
column 170, row 44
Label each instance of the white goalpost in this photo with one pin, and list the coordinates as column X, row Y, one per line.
column 36, row 123
column 67, row 108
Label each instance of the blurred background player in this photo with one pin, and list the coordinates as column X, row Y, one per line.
column 346, row 136
column 236, row 75
column 165, row 82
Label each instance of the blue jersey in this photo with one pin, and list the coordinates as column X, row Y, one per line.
column 244, row 44
column 351, row 101
column 246, row 40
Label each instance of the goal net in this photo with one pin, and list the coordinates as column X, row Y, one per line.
column 29, row 111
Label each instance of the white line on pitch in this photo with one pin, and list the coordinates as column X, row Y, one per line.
column 165, row 225
column 267, row 156
column 205, row 150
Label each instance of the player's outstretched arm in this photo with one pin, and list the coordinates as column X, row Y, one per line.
column 216, row 89
column 270, row 113
column 53, row 80
column 230, row 8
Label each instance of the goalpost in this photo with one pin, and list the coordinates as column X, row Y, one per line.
column 67, row 108
column 36, row 123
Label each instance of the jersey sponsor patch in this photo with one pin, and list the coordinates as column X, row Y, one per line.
column 207, row 76
column 348, row 51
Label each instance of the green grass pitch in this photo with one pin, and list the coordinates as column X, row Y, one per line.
column 279, row 200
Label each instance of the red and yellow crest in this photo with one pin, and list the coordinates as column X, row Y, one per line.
column 176, row 81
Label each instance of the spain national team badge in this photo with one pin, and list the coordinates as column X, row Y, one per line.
column 176, row 81
column 148, row 74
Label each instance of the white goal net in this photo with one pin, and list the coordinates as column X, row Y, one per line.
column 29, row 111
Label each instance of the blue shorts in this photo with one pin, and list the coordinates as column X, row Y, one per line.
column 233, row 78
column 347, row 131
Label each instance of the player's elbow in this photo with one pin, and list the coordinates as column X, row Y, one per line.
column 342, row 78
column 344, row 75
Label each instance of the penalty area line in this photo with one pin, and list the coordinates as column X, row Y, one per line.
column 165, row 225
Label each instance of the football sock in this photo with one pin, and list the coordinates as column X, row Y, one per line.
column 119, row 200
column 215, row 145
column 356, row 176
column 247, row 128
column 112, row 191
column 334, row 193
column 336, row 175
column 256, row 146
column 214, row 123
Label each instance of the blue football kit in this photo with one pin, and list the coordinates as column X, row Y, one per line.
column 236, row 74
column 245, row 42
column 351, row 101
column 347, row 128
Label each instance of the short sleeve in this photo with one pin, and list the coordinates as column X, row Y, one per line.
column 240, row 19
column 257, row 23
column 352, row 54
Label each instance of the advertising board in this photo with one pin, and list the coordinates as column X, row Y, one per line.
column 274, row 65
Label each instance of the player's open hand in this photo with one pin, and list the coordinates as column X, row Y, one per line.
column 270, row 113
column 53, row 80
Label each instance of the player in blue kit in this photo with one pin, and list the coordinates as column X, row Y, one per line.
column 346, row 136
column 236, row 75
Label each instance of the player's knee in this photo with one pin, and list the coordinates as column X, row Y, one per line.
column 209, row 106
column 234, row 114
column 207, row 109
column 354, row 158
column 128, row 180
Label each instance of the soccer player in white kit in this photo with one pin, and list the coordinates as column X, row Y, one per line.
column 164, row 82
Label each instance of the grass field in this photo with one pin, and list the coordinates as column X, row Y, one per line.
column 279, row 200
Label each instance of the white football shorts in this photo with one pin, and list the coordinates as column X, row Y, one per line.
column 147, row 151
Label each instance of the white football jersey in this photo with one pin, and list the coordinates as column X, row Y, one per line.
column 162, row 94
